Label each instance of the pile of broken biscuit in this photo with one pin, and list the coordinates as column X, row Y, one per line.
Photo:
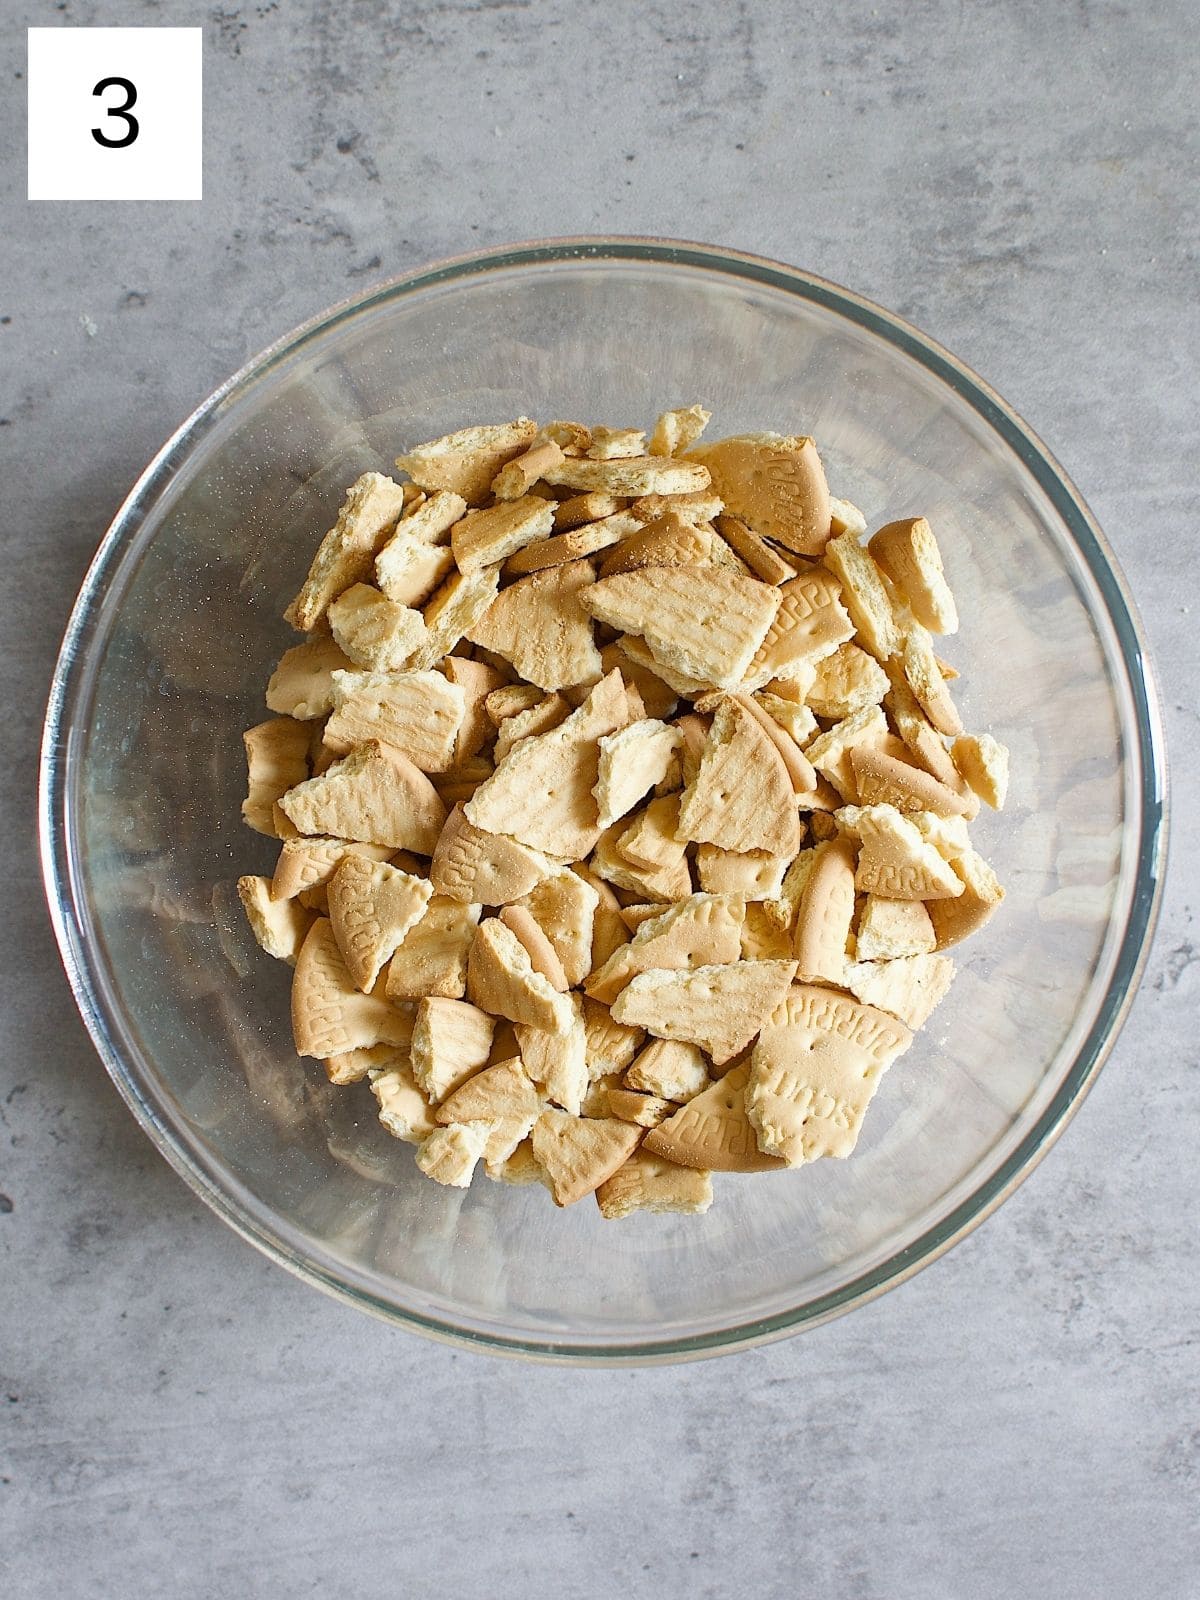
column 623, row 806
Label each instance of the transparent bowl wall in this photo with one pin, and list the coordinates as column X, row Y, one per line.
column 178, row 628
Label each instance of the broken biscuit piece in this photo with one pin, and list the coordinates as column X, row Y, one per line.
column 278, row 925
column 713, row 1132
column 720, row 1008
column 418, row 713
column 371, row 907
column 485, row 538
column 983, row 762
column 451, row 1040
column 676, row 431
column 329, row 1014
column 705, row 621
column 742, row 797
column 431, row 959
column 301, row 685
column 652, row 1183
column 539, row 624
column 891, row 928
column 502, row 980
column 908, row 552
column 816, row 1065
column 632, row 761
column 632, row 476
column 276, row 760
column 775, row 483
column 466, row 462
column 908, row 987
column 347, row 552
column 376, row 795
column 578, row 1155
column 448, row 1155
column 703, row 930
column 864, row 596
column 895, row 861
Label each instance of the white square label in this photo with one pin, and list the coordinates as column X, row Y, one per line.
column 115, row 114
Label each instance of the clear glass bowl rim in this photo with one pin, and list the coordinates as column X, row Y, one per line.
column 75, row 671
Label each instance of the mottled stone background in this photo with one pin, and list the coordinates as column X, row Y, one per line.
column 179, row 1417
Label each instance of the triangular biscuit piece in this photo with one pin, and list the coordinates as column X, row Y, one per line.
column 491, row 869
column 720, row 1008
column 811, row 623
column 705, row 621
column 671, row 540
column 372, row 906
column 329, row 1015
column 579, row 1155
column 742, row 797
column 712, row 1131
column 375, row 794
column 666, row 874
column 505, row 1090
column 501, row 979
column 814, row 1069
column 540, row 626
column 896, row 861
column 538, row 948
column 775, row 483
column 845, row 682
column 551, row 711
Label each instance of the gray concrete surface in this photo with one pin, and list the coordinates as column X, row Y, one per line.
column 179, row 1417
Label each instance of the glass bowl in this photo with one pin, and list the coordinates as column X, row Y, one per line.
column 177, row 627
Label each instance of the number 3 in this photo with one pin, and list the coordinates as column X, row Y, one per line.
column 121, row 111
